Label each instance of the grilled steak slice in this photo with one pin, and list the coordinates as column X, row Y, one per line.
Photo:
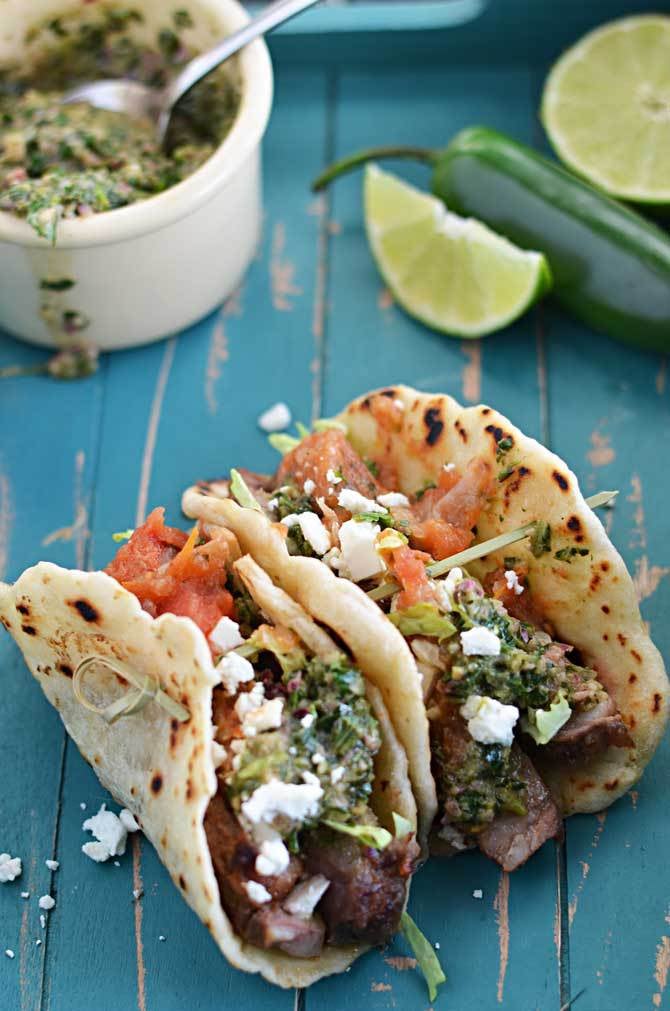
column 367, row 887
column 589, row 732
column 266, row 926
column 511, row 839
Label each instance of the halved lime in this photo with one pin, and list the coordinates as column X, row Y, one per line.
column 606, row 108
column 452, row 273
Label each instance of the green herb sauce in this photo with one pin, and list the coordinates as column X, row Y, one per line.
column 70, row 161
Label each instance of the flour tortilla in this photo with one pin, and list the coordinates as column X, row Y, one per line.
column 162, row 770
column 591, row 601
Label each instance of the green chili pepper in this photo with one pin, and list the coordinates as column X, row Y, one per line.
column 611, row 266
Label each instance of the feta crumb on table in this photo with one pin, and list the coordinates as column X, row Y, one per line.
column 9, row 953
column 10, row 868
column 109, row 831
column 127, row 819
column 46, row 902
column 478, row 894
column 53, row 865
column 276, row 418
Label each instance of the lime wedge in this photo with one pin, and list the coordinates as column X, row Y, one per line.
column 606, row 108
column 452, row 273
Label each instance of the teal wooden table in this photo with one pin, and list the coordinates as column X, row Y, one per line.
column 312, row 325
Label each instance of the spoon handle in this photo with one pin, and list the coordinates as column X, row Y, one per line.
column 272, row 16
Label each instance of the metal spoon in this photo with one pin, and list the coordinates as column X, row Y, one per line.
column 140, row 101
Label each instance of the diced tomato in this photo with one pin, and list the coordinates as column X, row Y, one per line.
column 387, row 410
column 150, row 546
column 320, row 453
column 169, row 571
column 458, row 502
column 409, row 568
column 519, row 605
column 440, row 539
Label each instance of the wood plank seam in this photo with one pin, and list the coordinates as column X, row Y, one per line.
column 45, row 990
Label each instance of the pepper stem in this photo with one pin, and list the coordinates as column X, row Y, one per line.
column 354, row 161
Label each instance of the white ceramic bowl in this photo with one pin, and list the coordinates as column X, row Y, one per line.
column 147, row 270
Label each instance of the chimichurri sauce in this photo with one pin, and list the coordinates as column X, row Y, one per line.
column 60, row 161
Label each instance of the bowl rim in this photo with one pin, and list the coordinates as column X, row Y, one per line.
column 162, row 209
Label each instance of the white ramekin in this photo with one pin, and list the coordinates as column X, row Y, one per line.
column 147, row 270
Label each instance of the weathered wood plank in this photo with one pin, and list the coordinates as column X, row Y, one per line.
column 47, row 453
column 610, row 419
column 500, row 950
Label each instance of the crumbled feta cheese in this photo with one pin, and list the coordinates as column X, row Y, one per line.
column 399, row 404
column 10, row 868
column 489, row 721
column 116, row 862
column 38, row 942
column 218, row 754
column 305, row 896
column 273, row 857
column 248, row 701
column 296, row 801
column 444, row 588
column 307, row 720
column 393, row 498
column 337, row 774
column 332, row 477
column 225, row 635
column 309, row 777
column 127, row 819
column 161, row 937
column 257, row 892
column 46, row 902
column 25, row 895
column 96, row 851
column 43, row 921
column 449, row 467
column 354, row 502
column 109, row 830
column 512, row 581
column 273, row 503
column 266, row 717
column 317, row 758
column 234, row 670
column 478, row 894
column 138, row 893
column 308, row 486
column 275, row 419
column 437, row 945
column 357, row 541
column 9, row 953
column 480, row 641
column 82, row 805
column 312, row 530
column 53, row 865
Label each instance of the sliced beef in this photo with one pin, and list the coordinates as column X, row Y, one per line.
column 511, row 839
column 367, row 887
column 323, row 452
column 266, row 926
column 590, row 732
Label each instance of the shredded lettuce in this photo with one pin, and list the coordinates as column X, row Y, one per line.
column 123, row 535
column 303, row 430
column 321, row 424
column 401, row 826
column 543, row 724
column 240, row 492
column 289, row 658
column 283, row 442
column 369, row 835
column 424, row 954
column 423, row 619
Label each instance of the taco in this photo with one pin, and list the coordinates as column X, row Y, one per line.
column 253, row 753
column 544, row 692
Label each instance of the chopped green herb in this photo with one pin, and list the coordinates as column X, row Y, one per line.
column 321, row 424
column 168, row 43
column 506, row 472
column 58, row 284
column 303, row 430
column 503, row 446
column 372, row 467
column 540, row 539
column 567, row 554
column 424, row 954
column 385, row 520
column 423, row 489
column 182, row 19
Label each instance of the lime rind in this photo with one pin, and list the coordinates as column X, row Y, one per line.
column 452, row 273
column 606, row 108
